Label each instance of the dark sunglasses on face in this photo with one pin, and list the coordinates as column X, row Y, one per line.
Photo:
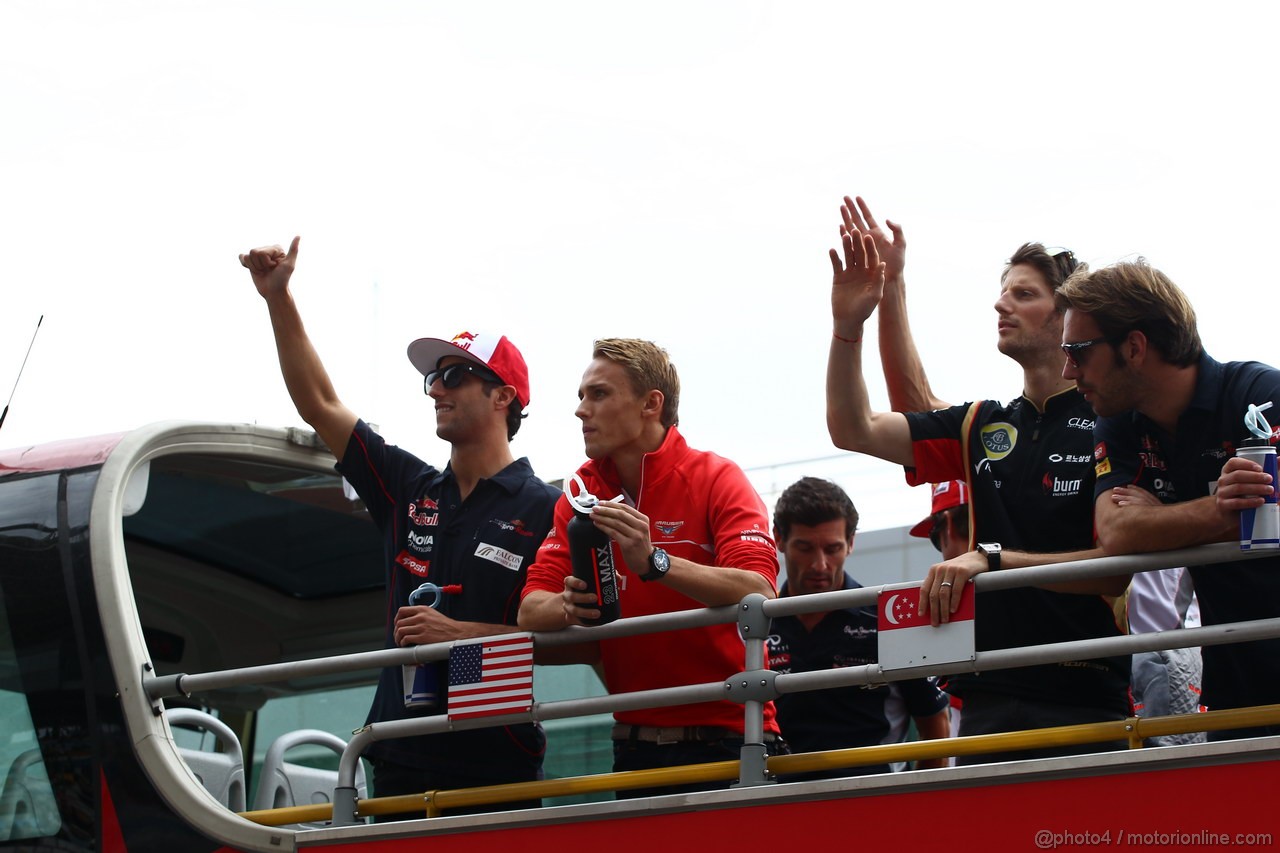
column 1073, row 351
column 452, row 376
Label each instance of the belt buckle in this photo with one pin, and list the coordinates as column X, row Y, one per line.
column 668, row 735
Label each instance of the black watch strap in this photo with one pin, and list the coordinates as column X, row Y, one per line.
column 992, row 550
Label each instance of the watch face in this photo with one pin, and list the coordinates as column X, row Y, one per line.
column 661, row 561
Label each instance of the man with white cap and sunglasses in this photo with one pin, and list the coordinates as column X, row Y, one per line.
column 475, row 524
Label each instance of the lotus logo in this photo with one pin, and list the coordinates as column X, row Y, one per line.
column 998, row 440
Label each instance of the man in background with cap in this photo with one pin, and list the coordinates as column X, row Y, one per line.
column 947, row 529
column 813, row 523
column 477, row 524
column 947, row 526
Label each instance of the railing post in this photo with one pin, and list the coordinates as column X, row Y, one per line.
column 754, row 687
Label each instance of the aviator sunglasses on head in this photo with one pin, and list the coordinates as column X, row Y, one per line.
column 452, row 376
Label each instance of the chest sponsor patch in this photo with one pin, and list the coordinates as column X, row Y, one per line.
column 501, row 556
column 516, row 525
column 998, row 440
column 413, row 564
column 668, row 528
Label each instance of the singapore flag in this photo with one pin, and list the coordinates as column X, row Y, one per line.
column 908, row 640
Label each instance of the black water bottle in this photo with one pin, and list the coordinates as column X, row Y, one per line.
column 591, row 553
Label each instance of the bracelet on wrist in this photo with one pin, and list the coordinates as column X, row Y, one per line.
column 845, row 340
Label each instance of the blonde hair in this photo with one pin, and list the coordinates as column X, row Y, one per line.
column 648, row 367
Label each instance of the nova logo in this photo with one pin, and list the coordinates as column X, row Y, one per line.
column 998, row 440
column 420, row 541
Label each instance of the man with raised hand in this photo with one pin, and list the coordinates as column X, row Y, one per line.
column 688, row 531
column 477, row 524
column 1028, row 467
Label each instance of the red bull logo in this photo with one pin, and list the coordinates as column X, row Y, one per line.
column 463, row 340
column 417, row 512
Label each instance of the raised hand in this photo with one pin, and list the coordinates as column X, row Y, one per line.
column 857, row 282
column 857, row 217
column 271, row 267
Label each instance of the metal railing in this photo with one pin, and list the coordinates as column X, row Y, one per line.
column 755, row 685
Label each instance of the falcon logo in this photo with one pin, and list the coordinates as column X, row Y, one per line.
column 667, row 528
column 998, row 440
column 501, row 556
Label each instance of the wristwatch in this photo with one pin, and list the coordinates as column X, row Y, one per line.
column 992, row 550
column 659, row 563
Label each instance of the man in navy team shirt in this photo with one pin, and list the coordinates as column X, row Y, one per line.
column 1169, row 417
column 477, row 524
column 813, row 524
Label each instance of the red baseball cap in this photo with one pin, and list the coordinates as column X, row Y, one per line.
column 496, row 352
column 945, row 496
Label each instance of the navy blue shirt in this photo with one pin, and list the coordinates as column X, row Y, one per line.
column 484, row 543
column 1031, row 483
column 1185, row 466
column 843, row 717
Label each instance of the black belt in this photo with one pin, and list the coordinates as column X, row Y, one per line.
column 680, row 734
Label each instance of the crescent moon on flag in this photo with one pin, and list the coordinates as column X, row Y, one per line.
column 888, row 609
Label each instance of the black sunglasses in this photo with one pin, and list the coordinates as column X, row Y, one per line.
column 1073, row 350
column 452, row 376
column 1065, row 261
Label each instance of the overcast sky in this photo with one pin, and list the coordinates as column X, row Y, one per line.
column 565, row 171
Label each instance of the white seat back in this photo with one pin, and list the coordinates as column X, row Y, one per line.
column 283, row 784
column 221, row 773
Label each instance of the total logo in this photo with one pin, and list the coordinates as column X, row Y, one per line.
column 413, row 564
column 1058, row 487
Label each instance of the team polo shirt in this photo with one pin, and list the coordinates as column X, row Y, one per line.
column 484, row 543
column 1184, row 466
column 843, row 717
column 1031, row 484
column 701, row 507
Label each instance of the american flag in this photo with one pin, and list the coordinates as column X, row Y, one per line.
column 491, row 676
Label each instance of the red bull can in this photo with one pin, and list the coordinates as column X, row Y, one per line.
column 1260, row 527
column 421, row 685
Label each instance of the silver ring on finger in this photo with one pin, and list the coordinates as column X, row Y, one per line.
column 945, row 583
